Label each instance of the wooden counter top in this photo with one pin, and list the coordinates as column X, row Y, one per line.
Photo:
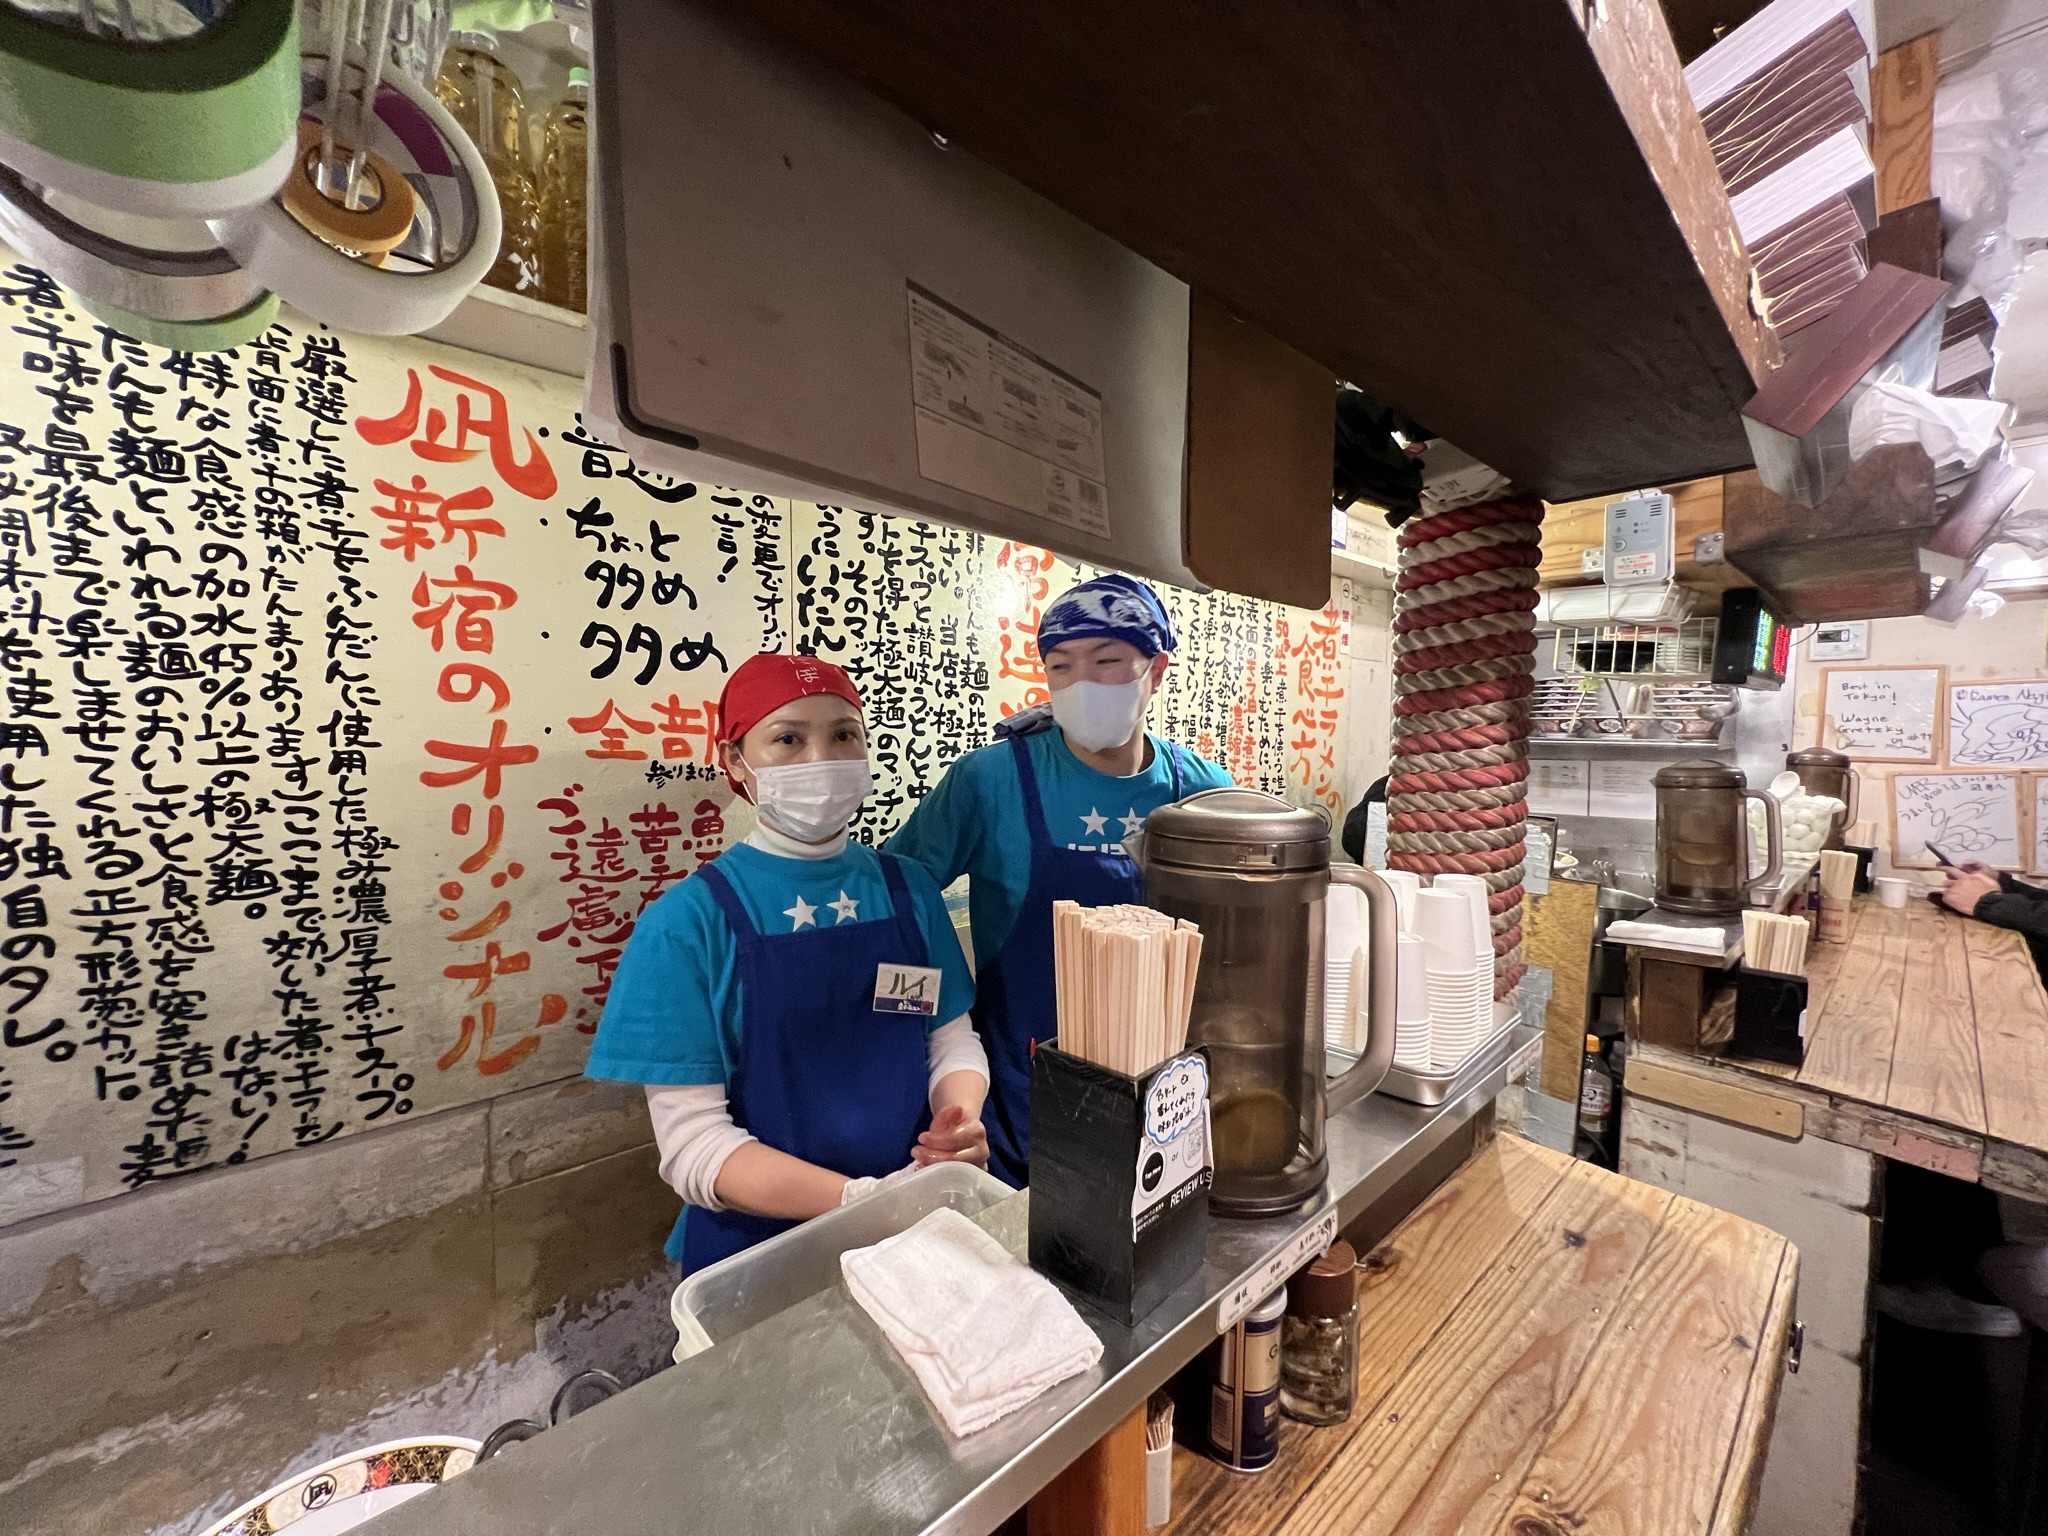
column 1926, row 1041
column 1545, row 1348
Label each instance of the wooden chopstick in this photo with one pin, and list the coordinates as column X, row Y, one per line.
column 1124, row 983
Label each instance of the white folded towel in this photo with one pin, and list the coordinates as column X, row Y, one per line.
column 982, row 1333
column 1695, row 938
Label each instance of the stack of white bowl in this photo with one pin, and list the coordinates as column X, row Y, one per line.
column 1457, row 953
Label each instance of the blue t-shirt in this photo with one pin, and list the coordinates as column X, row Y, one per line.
column 972, row 822
column 673, row 1014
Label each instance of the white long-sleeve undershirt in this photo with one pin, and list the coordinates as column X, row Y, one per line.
column 693, row 1127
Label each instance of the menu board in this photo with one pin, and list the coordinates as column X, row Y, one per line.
column 1998, row 725
column 1881, row 714
column 1968, row 816
column 355, row 701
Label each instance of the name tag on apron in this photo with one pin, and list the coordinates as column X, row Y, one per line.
column 906, row 989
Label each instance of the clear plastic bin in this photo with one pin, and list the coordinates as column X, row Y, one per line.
column 734, row 1294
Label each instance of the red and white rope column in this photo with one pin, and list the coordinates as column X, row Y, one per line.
column 1464, row 652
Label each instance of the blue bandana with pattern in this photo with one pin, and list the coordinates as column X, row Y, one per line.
column 1108, row 608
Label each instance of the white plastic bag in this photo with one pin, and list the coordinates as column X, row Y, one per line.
column 1953, row 431
column 1976, row 155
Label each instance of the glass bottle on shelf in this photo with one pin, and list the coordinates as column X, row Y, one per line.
column 1596, row 1093
column 482, row 94
column 1319, row 1339
column 564, row 205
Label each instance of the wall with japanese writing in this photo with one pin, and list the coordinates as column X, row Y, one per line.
column 354, row 701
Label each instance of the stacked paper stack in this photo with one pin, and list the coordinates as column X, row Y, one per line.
column 1457, row 953
column 1124, row 979
column 1785, row 98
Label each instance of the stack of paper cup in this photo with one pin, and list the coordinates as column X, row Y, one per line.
column 1411, row 1011
column 1345, row 933
column 1460, row 983
column 1406, row 885
column 1474, row 889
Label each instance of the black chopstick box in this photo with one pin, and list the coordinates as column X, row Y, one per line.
column 1770, row 1014
column 1120, row 1176
column 1864, row 856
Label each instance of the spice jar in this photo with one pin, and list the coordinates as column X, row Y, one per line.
column 1319, row 1340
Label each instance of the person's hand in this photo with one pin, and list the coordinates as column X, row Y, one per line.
column 953, row 1138
column 1966, row 888
column 1976, row 867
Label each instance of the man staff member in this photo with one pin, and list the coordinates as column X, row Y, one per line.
column 1040, row 816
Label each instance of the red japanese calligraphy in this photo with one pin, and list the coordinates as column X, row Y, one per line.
column 610, row 725
column 490, row 760
column 464, row 682
column 416, row 515
column 1316, row 691
column 484, row 1022
column 494, row 964
column 531, row 476
column 688, row 731
column 598, row 866
column 1017, row 638
column 469, row 601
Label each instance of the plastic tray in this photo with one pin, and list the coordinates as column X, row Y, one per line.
column 734, row 1294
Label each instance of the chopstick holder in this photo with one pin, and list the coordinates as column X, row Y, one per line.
column 1120, row 1175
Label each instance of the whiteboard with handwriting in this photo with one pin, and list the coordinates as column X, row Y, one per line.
column 2038, row 865
column 1881, row 714
column 1967, row 815
column 1998, row 725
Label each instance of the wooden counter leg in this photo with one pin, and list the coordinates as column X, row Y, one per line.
column 1102, row 1493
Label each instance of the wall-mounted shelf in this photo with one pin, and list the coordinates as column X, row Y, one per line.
column 1625, row 746
column 519, row 330
column 1571, row 529
column 1672, row 653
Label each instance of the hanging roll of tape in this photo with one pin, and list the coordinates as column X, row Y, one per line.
column 374, row 230
column 191, row 335
column 191, row 126
column 312, row 275
column 167, row 280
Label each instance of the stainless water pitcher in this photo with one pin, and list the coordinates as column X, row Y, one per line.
column 1254, row 872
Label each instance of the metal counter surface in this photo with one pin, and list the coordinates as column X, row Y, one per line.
column 808, row 1423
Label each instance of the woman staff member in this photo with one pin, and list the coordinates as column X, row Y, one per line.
column 1041, row 816
column 792, row 1007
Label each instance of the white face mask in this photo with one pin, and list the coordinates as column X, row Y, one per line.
column 1098, row 716
column 812, row 801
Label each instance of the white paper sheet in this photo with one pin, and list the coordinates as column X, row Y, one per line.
column 1622, row 787
column 1558, row 787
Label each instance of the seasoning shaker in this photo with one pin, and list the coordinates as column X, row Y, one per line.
column 1244, row 1398
column 1319, row 1339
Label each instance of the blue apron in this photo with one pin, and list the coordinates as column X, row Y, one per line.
column 821, row 1075
column 1014, row 1000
